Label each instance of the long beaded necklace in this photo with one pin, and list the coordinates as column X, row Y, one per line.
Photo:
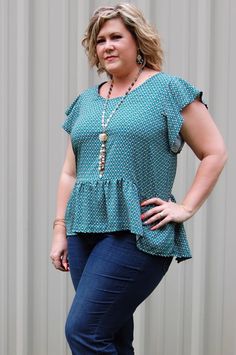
column 103, row 137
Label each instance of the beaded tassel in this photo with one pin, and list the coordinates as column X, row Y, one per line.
column 102, row 156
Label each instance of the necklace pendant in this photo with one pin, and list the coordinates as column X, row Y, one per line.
column 103, row 137
column 102, row 158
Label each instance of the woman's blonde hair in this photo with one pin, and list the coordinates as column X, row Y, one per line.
column 147, row 39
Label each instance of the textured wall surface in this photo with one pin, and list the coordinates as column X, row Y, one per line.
column 42, row 68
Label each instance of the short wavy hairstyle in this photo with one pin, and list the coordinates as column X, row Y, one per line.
column 146, row 37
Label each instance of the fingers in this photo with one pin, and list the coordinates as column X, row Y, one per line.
column 60, row 263
column 153, row 200
column 152, row 215
column 59, row 252
column 65, row 262
column 57, row 264
column 164, row 212
column 162, row 223
column 155, row 213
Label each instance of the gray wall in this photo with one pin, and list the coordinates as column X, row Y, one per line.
column 42, row 68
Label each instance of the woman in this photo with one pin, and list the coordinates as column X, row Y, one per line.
column 117, row 225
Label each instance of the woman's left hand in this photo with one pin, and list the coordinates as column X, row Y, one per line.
column 164, row 212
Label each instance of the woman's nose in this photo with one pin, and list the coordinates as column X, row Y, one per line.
column 109, row 45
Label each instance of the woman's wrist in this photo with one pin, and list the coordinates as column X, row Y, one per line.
column 187, row 209
column 58, row 221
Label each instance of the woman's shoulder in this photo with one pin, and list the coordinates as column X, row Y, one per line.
column 172, row 79
column 165, row 81
column 89, row 91
column 79, row 98
column 176, row 82
column 175, row 85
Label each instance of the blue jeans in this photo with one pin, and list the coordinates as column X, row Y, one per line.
column 111, row 278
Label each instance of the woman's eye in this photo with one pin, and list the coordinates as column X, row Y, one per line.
column 116, row 37
column 100, row 41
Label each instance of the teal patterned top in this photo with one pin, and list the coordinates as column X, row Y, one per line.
column 141, row 161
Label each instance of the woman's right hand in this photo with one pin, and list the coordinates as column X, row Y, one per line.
column 59, row 253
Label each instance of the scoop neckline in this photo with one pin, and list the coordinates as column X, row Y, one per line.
column 135, row 89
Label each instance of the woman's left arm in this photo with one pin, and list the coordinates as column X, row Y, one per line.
column 201, row 134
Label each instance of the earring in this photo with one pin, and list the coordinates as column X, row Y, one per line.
column 139, row 59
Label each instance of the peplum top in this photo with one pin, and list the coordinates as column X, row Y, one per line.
column 141, row 157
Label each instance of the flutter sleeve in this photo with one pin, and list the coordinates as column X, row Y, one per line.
column 180, row 93
column 72, row 113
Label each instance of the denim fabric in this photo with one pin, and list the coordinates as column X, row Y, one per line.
column 111, row 278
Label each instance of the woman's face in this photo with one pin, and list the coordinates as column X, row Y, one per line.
column 116, row 48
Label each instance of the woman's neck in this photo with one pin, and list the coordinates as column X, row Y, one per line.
column 126, row 78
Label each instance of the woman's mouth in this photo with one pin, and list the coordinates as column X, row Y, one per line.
column 110, row 58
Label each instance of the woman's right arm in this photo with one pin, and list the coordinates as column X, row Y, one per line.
column 67, row 178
